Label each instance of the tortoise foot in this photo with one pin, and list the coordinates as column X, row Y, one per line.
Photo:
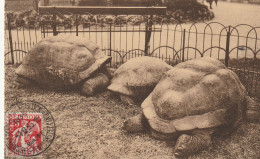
column 22, row 82
column 189, row 144
column 136, row 124
column 253, row 110
column 17, row 85
column 127, row 100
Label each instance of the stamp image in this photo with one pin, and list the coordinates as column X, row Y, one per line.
column 24, row 133
column 30, row 129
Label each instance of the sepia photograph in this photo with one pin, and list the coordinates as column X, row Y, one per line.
column 131, row 79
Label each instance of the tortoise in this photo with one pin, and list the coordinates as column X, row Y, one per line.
column 135, row 79
column 64, row 62
column 192, row 101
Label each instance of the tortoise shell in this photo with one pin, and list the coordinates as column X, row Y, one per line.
column 138, row 76
column 61, row 61
column 196, row 94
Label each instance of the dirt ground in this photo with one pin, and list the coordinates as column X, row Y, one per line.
column 91, row 128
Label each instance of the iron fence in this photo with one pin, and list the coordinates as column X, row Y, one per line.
column 126, row 37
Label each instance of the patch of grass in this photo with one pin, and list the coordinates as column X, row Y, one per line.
column 91, row 128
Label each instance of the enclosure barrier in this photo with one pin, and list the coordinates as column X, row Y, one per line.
column 125, row 37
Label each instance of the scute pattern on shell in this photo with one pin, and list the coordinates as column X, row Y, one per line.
column 138, row 74
column 199, row 93
column 61, row 61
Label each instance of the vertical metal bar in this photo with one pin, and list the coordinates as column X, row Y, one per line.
column 133, row 38
column 23, row 39
column 153, row 37
column 29, row 31
column 114, row 35
column 101, row 34
column 139, row 36
column 43, row 29
column 120, row 41
column 227, row 47
column 110, row 39
column 148, row 30
column 17, row 38
column 36, row 6
column 15, row 48
column 160, row 39
column 35, row 32
column 77, row 25
column 10, row 37
column 146, row 43
column 96, row 32
column 54, row 28
column 183, row 44
column 126, row 40
column 167, row 39
column 89, row 30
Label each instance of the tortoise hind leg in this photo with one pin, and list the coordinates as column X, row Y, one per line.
column 22, row 82
column 189, row 144
column 127, row 99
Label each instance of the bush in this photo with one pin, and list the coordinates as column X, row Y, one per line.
column 188, row 11
column 136, row 2
column 92, row 2
column 119, row 2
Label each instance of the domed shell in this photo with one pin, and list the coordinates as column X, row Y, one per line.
column 61, row 61
column 199, row 93
column 136, row 75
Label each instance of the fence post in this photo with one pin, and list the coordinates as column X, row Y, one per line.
column 54, row 28
column 148, row 31
column 110, row 40
column 183, row 44
column 43, row 28
column 77, row 25
column 10, row 36
column 36, row 5
column 227, row 46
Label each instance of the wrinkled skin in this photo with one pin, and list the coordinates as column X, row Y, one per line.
column 190, row 142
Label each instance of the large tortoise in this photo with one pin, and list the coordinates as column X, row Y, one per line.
column 64, row 62
column 192, row 101
column 135, row 79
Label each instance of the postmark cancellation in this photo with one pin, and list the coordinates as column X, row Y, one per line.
column 29, row 129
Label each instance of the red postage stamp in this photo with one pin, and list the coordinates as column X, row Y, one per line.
column 24, row 134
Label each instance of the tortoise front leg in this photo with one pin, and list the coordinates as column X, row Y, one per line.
column 189, row 144
column 95, row 84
